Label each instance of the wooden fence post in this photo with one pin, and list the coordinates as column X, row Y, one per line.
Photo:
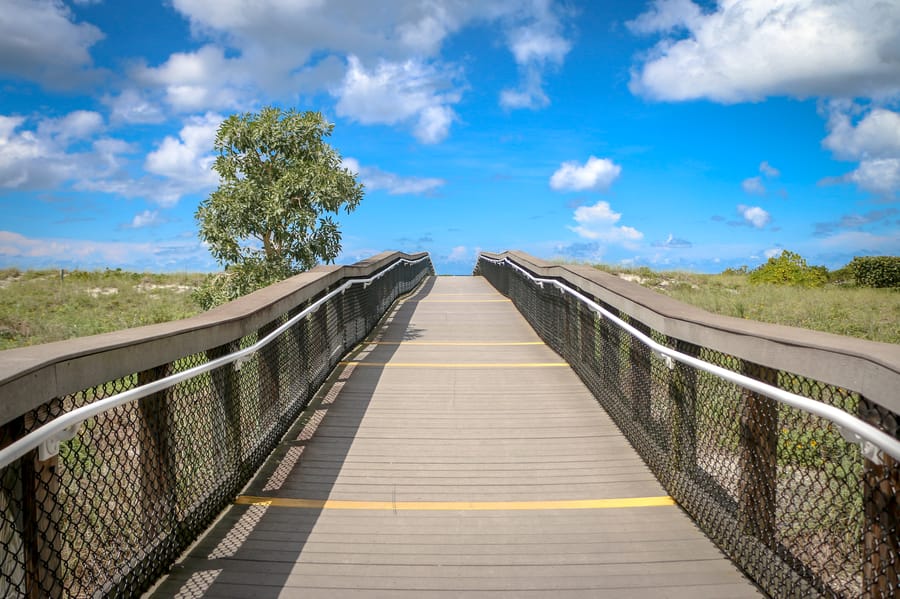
column 158, row 497
column 881, row 532
column 640, row 380
column 269, row 378
column 683, row 390
column 227, row 419
column 758, row 457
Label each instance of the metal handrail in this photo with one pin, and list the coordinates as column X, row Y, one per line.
column 47, row 438
column 852, row 429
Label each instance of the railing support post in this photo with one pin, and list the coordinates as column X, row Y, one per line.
column 157, row 468
column 269, row 379
column 683, row 390
column 43, row 537
column 758, row 458
column 227, row 420
column 881, row 533
column 640, row 380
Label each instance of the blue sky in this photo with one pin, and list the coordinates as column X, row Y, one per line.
column 668, row 133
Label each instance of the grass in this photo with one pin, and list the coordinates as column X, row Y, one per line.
column 843, row 309
column 40, row 306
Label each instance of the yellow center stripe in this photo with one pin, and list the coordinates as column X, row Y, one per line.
column 457, row 364
column 432, row 506
column 455, row 343
column 455, row 301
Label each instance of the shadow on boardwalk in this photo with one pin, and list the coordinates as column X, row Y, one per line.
column 251, row 550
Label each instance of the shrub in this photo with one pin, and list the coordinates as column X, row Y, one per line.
column 789, row 269
column 876, row 271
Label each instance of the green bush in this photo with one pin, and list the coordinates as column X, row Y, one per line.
column 789, row 268
column 876, row 271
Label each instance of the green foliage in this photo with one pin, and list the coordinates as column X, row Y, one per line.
column 736, row 271
column 837, row 308
column 270, row 217
column 789, row 268
column 876, row 271
column 40, row 306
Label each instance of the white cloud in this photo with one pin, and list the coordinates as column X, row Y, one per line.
column 39, row 41
column 880, row 176
column 201, row 80
column 39, row 157
column 182, row 254
column 596, row 174
column 754, row 215
column 147, row 218
column 754, row 185
column 374, row 178
column 185, row 162
column 876, row 135
column 398, row 92
column 459, row 253
column 77, row 125
column 874, row 141
column 768, row 170
column 598, row 223
column 773, row 252
column 133, row 106
column 279, row 49
column 536, row 47
column 537, row 44
column 746, row 50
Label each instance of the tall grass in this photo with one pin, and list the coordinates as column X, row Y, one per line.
column 40, row 306
column 842, row 309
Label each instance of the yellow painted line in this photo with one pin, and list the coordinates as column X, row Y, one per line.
column 456, row 301
column 457, row 364
column 456, row 343
column 440, row 506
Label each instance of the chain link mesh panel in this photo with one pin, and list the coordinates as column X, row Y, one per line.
column 792, row 503
column 138, row 483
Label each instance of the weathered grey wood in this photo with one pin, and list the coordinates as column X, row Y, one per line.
column 495, row 426
column 868, row 367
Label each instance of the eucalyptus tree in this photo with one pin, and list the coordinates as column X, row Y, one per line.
column 280, row 184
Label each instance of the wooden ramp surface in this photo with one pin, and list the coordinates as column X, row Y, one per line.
column 454, row 455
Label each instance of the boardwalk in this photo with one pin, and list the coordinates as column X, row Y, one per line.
column 455, row 455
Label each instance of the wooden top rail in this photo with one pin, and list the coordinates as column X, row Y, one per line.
column 30, row 376
column 868, row 367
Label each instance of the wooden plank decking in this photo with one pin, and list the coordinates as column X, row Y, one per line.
column 455, row 455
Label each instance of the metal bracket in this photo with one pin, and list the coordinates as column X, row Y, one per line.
column 239, row 363
column 667, row 360
column 869, row 450
column 50, row 447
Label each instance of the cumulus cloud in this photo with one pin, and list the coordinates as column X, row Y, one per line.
column 599, row 223
column 459, row 253
column 392, row 93
column 180, row 254
column 147, row 218
column 673, row 242
column 350, row 47
column 873, row 141
column 40, row 156
column 374, row 178
column 754, row 216
column 596, row 174
column 536, row 47
column 746, row 50
column 133, row 106
column 40, row 41
column 768, row 170
column 754, row 185
column 185, row 162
